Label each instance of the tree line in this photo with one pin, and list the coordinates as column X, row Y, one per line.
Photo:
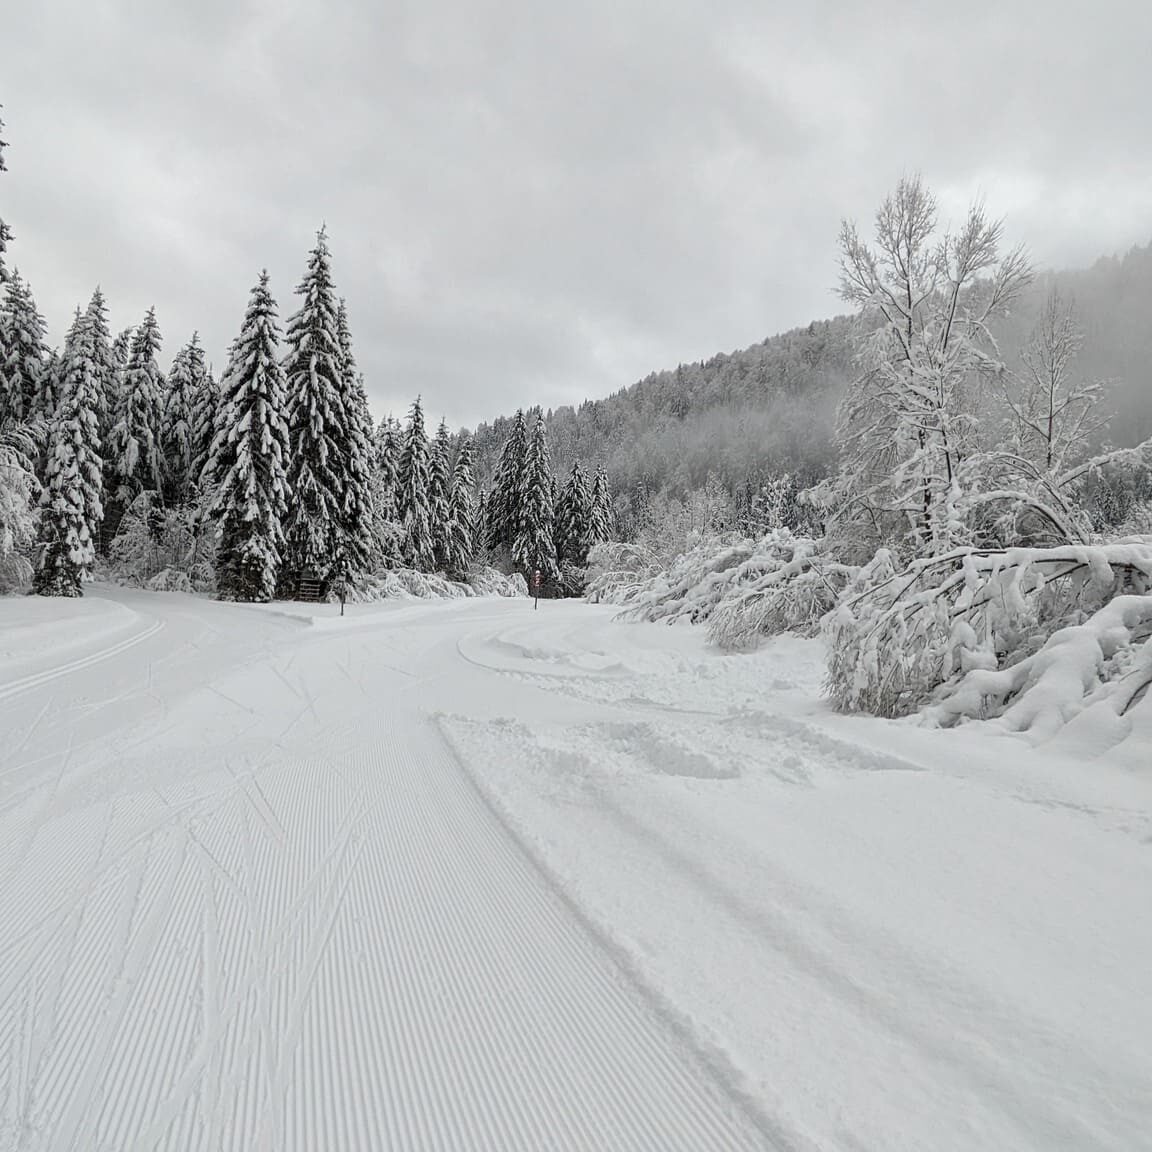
column 279, row 463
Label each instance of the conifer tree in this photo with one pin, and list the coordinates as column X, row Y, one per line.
column 205, row 413
column 574, row 519
column 601, row 523
column 250, row 458
column 179, row 426
column 412, row 494
column 534, row 550
column 461, row 519
column 358, row 502
column 386, row 458
column 506, row 500
column 23, row 354
column 72, row 497
column 135, row 447
column 103, row 363
column 327, row 475
column 439, row 490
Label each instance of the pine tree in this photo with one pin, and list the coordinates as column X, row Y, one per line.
column 358, row 502
column 461, row 519
column 72, row 499
column 179, row 426
column 385, row 462
column 327, row 476
column 23, row 354
column 206, row 410
column 104, row 364
column 602, row 516
column 250, row 458
column 439, row 490
column 135, row 447
column 506, row 500
column 412, row 485
column 574, row 519
column 534, row 550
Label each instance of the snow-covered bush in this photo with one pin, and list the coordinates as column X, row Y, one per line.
column 746, row 588
column 18, row 492
column 901, row 638
column 151, row 539
column 618, row 572
column 408, row 584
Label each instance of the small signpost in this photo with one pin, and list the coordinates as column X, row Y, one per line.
column 536, row 589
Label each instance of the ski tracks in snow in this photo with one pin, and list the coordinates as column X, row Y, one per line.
column 347, row 951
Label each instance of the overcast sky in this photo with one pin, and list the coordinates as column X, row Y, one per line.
column 534, row 202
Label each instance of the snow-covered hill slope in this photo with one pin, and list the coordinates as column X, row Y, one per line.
column 467, row 875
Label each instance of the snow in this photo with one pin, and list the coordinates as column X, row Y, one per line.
column 466, row 874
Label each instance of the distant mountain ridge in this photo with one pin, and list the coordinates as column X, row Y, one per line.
column 770, row 407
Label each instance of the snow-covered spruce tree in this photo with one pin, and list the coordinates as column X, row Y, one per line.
column 385, row 462
column 504, row 511
column 327, row 479
column 601, row 512
column 178, row 438
column 205, row 412
column 250, row 458
column 462, row 518
column 439, row 490
column 413, row 478
column 72, row 505
column 23, row 353
column 574, row 519
column 906, row 425
column 134, row 452
column 103, row 363
column 358, row 512
column 533, row 550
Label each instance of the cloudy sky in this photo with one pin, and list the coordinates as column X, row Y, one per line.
column 534, row 202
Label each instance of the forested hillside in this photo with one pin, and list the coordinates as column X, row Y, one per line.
column 770, row 408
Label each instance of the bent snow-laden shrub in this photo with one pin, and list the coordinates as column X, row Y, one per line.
column 746, row 588
column 408, row 584
column 901, row 638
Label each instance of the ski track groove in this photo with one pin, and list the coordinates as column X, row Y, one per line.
column 348, row 950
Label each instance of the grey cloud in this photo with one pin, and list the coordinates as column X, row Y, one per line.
column 532, row 203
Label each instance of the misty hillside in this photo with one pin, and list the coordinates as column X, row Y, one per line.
column 771, row 407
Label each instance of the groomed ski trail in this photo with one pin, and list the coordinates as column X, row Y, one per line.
column 341, row 948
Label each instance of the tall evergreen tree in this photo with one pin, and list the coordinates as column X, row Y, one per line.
column 23, row 354
column 250, row 458
column 104, row 364
column 72, row 498
column 534, row 550
column 412, row 485
column 326, row 477
column 179, row 426
column 574, row 519
column 205, row 414
column 385, row 461
column 461, row 519
column 439, row 490
column 506, row 500
column 135, row 447
column 602, row 515
column 358, row 500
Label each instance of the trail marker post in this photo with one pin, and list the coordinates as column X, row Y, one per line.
column 536, row 590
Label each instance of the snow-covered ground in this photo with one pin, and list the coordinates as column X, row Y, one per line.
column 467, row 875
